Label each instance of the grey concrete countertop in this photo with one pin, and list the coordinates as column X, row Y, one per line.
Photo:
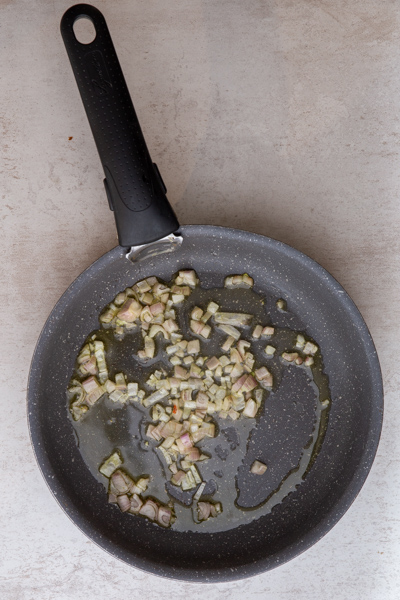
column 277, row 117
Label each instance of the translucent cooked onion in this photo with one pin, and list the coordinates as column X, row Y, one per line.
column 185, row 400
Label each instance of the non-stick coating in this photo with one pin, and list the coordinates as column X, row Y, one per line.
column 336, row 477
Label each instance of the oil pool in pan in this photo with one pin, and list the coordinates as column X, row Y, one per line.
column 286, row 434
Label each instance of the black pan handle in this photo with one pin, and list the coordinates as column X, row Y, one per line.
column 135, row 189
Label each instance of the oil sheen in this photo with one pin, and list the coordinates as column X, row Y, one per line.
column 286, row 434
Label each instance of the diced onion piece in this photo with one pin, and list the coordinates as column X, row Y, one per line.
column 212, row 363
column 170, row 325
column 300, row 341
column 164, row 516
column 310, row 348
column 206, row 317
column 199, row 492
column 187, row 277
column 196, row 474
column 89, row 367
column 124, row 503
column 149, row 510
column 180, row 372
column 228, row 343
column 133, row 390
column 156, row 397
column 249, row 384
column 289, row 356
column 258, row 394
column 309, row 361
column 242, row 346
column 268, row 331
column 270, row 350
column 193, row 455
column 205, row 332
column 130, row 310
column 258, row 468
column 198, row 435
column 257, row 331
column 154, row 329
column 281, row 304
column 233, row 414
column 101, row 360
column 238, row 403
column 142, row 286
column 196, row 314
column 146, row 298
column 149, row 346
column 188, row 483
column 203, row 510
column 120, row 382
column 264, row 377
column 250, row 410
column 120, row 482
column 145, row 315
column 93, row 390
column 118, row 396
column 238, row 281
column 247, row 280
column 136, row 504
column 193, row 347
column 175, row 360
column 208, row 429
column 178, row 477
column 108, row 314
column 184, row 443
column 111, row 464
column 212, row 307
column 177, row 298
column 238, row 384
column 142, row 484
column 157, row 309
column 235, row 319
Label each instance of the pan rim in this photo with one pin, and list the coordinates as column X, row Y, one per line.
column 319, row 529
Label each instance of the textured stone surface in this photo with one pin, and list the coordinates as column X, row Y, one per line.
column 280, row 118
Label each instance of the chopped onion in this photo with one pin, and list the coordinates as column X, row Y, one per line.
column 182, row 406
column 111, row 463
column 258, row 468
column 124, row 503
column 235, row 319
column 203, row 510
column 310, row 348
column 130, row 310
column 149, row 510
column 250, row 410
column 156, row 397
column 228, row 343
column 281, row 304
column 290, row 356
column 270, row 350
column 120, row 482
column 257, row 332
column 164, row 516
column 136, row 504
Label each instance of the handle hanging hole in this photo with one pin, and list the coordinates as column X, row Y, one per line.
column 84, row 30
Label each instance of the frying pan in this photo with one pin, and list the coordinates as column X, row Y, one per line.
column 315, row 300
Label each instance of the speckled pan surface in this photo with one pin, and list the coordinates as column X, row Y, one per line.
column 329, row 316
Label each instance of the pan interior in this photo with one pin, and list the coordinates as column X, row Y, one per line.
column 318, row 305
